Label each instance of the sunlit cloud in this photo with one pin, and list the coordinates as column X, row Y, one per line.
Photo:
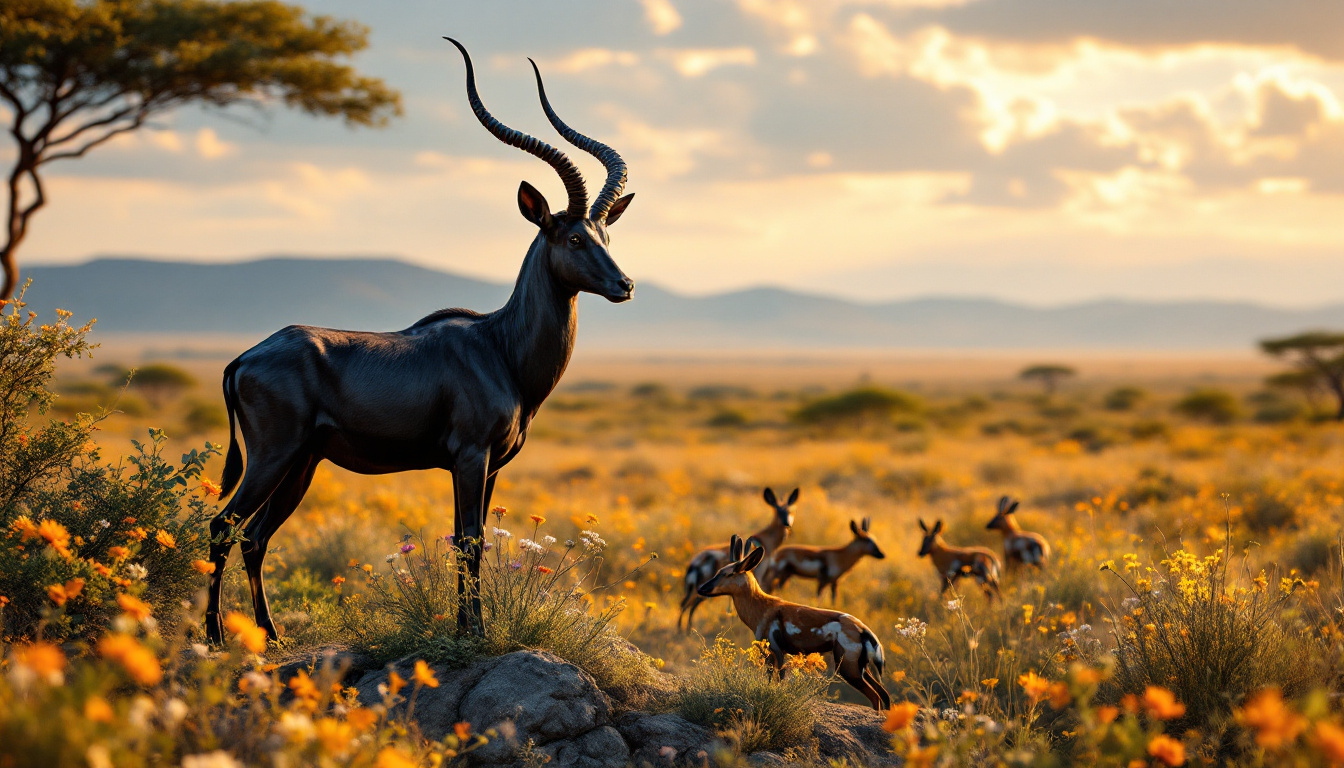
column 700, row 62
column 662, row 16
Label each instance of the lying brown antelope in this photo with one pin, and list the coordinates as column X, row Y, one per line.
column 1019, row 546
column 823, row 565
column 707, row 562
column 791, row 628
column 954, row 563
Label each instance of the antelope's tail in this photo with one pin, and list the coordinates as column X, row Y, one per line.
column 233, row 462
column 872, row 651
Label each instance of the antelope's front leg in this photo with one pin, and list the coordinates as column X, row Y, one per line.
column 470, row 478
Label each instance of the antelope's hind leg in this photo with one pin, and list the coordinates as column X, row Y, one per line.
column 470, row 480
column 265, row 523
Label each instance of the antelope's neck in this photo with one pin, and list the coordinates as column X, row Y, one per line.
column 752, row 603
column 536, row 328
column 771, row 536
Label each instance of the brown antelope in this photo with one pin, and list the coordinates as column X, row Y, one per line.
column 1019, row 547
column 791, row 628
column 824, row 565
column 707, row 562
column 954, row 563
column 457, row 391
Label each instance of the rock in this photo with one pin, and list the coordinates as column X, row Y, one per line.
column 854, row 734
column 599, row 748
column 667, row 739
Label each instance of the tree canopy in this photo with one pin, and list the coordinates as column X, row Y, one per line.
column 74, row 74
column 1049, row 374
column 1318, row 362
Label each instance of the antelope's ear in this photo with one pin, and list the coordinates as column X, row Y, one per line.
column 618, row 207
column 937, row 528
column 854, row 527
column 753, row 559
column 922, row 526
column 1011, row 508
column 867, row 523
column 770, row 497
column 793, row 497
column 735, row 548
column 1003, row 504
column 534, row 206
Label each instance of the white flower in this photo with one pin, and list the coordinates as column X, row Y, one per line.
column 201, row 650
column 913, row 628
column 501, row 533
column 256, row 681
column 104, row 524
column 528, row 545
column 950, row 715
column 100, row 757
column 141, row 710
column 591, row 540
column 392, row 556
column 297, row 727
column 137, row 571
column 217, row 759
column 954, row 605
column 175, row 711
column 547, row 540
column 1129, row 603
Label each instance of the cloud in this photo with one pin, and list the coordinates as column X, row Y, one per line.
column 662, row 16
column 699, row 62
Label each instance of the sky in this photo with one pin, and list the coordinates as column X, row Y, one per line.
column 1038, row 151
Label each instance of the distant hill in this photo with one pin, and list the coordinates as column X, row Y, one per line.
column 256, row 297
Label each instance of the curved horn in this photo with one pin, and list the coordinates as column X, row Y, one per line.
column 615, row 184
column 569, row 173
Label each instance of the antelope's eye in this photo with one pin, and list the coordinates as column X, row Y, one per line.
column 575, row 240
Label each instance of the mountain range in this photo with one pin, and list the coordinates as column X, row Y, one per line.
column 130, row 295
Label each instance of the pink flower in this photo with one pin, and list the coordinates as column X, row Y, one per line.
column 407, row 548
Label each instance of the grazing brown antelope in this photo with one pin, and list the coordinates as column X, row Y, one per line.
column 791, row 628
column 707, row 562
column 954, row 563
column 1019, row 546
column 823, row 565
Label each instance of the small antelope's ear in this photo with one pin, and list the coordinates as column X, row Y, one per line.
column 937, row 528
column 534, row 206
column 770, row 497
column 735, row 548
column 754, row 559
column 867, row 523
column 1003, row 504
column 922, row 526
column 618, row 207
column 793, row 497
column 1011, row 508
column 854, row 527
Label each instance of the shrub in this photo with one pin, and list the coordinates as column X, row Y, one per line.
column 160, row 381
column 1192, row 629
column 1212, row 405
column 728, row 418
column 204, row 416
column 861, row 403
column 1123, row 398
column 735, row 691
column 75, row 532
column 411, row 608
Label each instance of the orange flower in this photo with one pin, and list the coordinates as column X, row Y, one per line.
column 1328, row 738
column 900, row 716
column 134, row 607
column 59, row 593
column 968, row 696
column 1161, row 704
column 100, row 569
column 395, row 682
column 1167, row 750
column 338, row 581
column 538, row 519
column 424, row 675
column 209, row 487
column 591, row 519
column 137, row 533
column 1130, row 703
column 24, row 526
column 119, row 553
column 361, row 718
column 1276, row 724
column 1107, row 714
column 334, row 736
column 203, row 566
column 922, row 758
column 1034, row 685
column 42, row 659
column 1059, row 695
column 139, row 662
column 249, row 634
column 499, row 511
column 96, row 709
column 165, row 539
column 462, row 731
column 3, row 601
column 391, row 757
column 56, row 536
column 304, row 688
column 544, row 569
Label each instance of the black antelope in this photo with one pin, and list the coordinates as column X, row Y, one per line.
column 707, row 562
column 823, row 565
column 791, row 628
column 953, row 563
column 1019, row 546
column 457, row 391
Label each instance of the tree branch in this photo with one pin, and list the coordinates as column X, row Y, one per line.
column 69, row 154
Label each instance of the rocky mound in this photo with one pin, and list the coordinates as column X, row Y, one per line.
column 543, row 705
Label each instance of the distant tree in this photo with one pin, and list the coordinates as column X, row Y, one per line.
column 1318, row 361
column 860, row 403
column 1123, row 398
column 1215, row 405
column 1049, row 374
column 159, row 381
column 204, row 416
column 76, row 73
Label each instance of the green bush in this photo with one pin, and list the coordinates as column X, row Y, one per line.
column 1123, row 398
column 735, row 691
column 204, row 416
column 75, row 532
column 160, row 381
column 1212, row 405
column 411, row 606
column 861, row 403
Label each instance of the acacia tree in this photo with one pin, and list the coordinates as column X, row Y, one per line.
column 1318, row 361
column 74, row 74
column 1049, row 374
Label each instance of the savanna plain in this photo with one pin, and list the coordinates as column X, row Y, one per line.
column 1190, row 611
